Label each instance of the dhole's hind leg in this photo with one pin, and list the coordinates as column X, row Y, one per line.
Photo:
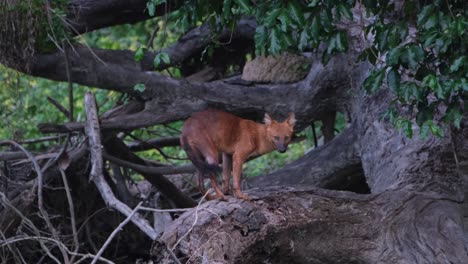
column 214, row 183
column 212, row 157
column 201, row 186
column 227, row 169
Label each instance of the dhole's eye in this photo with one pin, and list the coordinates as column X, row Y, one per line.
column 276, row 137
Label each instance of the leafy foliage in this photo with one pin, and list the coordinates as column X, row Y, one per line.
column 282, row 25
column 425, row 70
column 428, row 71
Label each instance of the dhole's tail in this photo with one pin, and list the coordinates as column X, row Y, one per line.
column 199, row 160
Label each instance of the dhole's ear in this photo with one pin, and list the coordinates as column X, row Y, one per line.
column 267, row 119
column 291, row 119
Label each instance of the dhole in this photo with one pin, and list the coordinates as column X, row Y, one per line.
column 207, row 134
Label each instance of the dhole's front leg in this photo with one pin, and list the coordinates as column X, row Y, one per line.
column 237, row 162
column 227, row 169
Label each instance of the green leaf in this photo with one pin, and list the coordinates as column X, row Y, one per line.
column 140, row 53
column 393, row 37
column 151, row 8
column 313, row 3
column 285, row 21
column 413, row 55
column 453, row 114
column 162, row 56
column 315, row 28
column 139, row 87
column 424, row 132
column 341, row 41
column 295, row 12
column 409, row 129
column 431, row 22
column 165, row 57
column 272, row 16
column 436, row 130
column 374, row 81
column 276, row 44
column 260, row 38
column 424, row 14
column 244, row 4
column 325, row 20
column 457, row 63
column 227, row 9
column 429, row 37
column 345, row 11
column 393, row 56
column 303, row 39
column 393, row 80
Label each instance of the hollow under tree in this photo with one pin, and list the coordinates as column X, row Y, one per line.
column 413, row 211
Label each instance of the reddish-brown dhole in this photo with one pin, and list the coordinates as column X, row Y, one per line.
column 207, row 134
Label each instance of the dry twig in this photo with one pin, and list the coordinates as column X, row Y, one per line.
column 93, row 131
column 40, row 200
column 114, row 233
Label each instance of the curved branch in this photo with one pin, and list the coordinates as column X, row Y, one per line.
column 154, row 143
column 166, row 170
column 93, row 67
column 326, row 87
column 94, row 137
column 88, row 15
column 325, row 166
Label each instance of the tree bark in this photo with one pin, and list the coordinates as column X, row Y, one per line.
column 413, row 214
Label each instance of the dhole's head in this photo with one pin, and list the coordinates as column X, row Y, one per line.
column 279, row 134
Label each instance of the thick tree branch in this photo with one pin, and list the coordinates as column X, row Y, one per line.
column 326, row 87
column 310, row 225
column 154, row 143
column 88, row 15
column 90, row 66
column 325, row 166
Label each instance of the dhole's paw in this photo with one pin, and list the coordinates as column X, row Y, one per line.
column 242, row 195
column 221, row 197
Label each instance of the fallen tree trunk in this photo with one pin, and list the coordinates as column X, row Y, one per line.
column 309, row 225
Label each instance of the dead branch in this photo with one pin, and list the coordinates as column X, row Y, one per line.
column 71, row 209
column 114, row 233
column 166, row 170
column 86, row 16
column 154, row 143
column 42, row 139
column 40, row 200
column 59, row 106
column 54, row 241
column 29, row 223
column 117, row 148
column 93, row 132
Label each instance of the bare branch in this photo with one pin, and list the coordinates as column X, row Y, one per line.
column 71, row 208
column 60, row 107
column 116, row 147
column 166, row 170
column 154, row 143
column 85, row 15
column 114, row 233
column 40, row 200
column 93, row 131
